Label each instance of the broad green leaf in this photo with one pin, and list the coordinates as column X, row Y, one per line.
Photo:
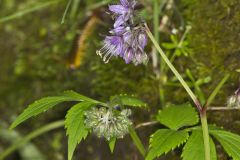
column 79, row 97
column 111, row 144
column 164, row 140
column 74, row 124
column 194, row 148
column 40, row 106
column 229, row 141
column 177, row 116
column 128, row 101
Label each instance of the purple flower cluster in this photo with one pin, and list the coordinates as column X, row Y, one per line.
column 127, row 38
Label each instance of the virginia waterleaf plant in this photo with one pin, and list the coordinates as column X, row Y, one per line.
column 111, row 120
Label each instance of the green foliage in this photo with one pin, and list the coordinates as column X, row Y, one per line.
column 229, row 141
column 177, row 116
column 40, row 106
column 19, row 143
column 79, row 97
column 220, row 55
column 180, row 47
column 74, row 124
column 128, row 101
column 111, row 144
column 41, row 68
column 47, row 103
column 164, row 140
column 194, row 148
column 197, row 83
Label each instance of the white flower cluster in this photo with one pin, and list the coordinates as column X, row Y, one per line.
column 108, row 122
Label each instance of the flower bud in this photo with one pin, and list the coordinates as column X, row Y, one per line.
column 108, row 122
column 234, row 100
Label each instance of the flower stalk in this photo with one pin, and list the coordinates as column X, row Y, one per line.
column 202, row 111
column 176, row 73
column 203, row 117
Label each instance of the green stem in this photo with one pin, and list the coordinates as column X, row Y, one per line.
column 156, row 19
column 30, row 136
column 170, row 65
column 156, row 12
column 191, row 94
column 74, row 9
column 216, row 90
column 66, row 11
column 137, row 141
column 205, row 135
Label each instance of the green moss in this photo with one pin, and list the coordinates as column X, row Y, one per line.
column 214, row 38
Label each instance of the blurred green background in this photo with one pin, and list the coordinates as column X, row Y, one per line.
column 40, row 56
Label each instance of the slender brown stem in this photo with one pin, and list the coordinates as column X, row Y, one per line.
column 146, row 124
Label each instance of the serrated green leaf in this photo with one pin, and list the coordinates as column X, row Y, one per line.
column 111, row 144
column 129, row 101
column 164, row 140
column 194, row 148
column 229, row 141
column 74, row 124
column 210, row 127
column 177, row 116
column 79, row 97
column 40, row 106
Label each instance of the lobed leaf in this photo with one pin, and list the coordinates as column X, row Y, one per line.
column 40, row 106
column 74, row 124
column 194, row 148
column 229, row 141
column 164, row 140
column 177, row 116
